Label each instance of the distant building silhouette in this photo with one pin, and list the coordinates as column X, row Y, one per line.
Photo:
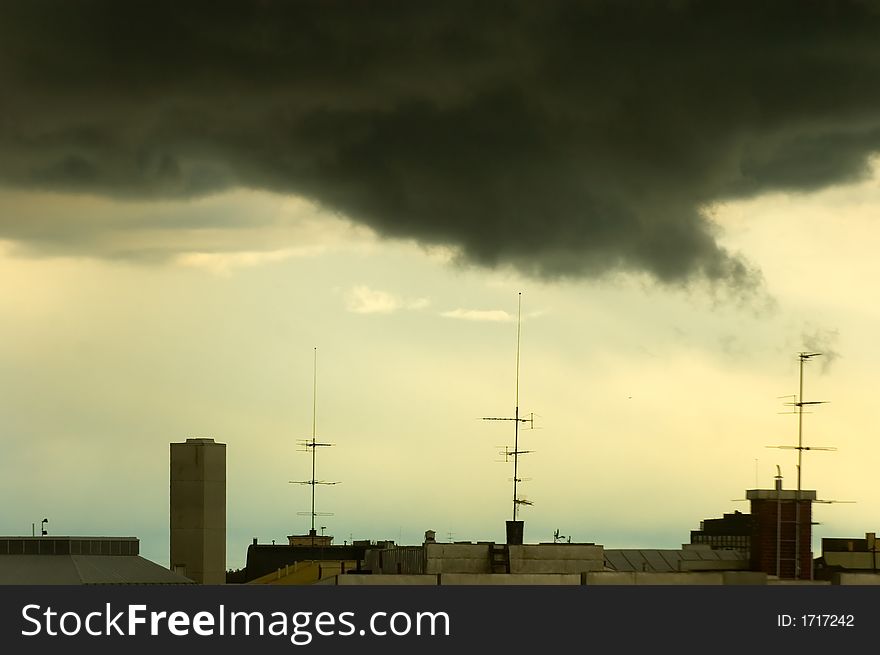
column 198, row 510
column 731, row 532
column 310, row 539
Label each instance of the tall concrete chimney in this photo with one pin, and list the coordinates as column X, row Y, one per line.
column 198, row 510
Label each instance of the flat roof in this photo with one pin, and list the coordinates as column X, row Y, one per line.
column 784, row 494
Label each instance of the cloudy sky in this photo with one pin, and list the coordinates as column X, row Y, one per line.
column 195, row 196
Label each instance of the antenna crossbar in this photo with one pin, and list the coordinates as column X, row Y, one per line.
column 506, row 452
column 803, row 447
column 306, row 444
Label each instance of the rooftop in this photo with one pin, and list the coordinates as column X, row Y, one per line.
column 780, row 494
column 79, row 560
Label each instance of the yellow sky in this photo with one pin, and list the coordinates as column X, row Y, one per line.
column 655, row 405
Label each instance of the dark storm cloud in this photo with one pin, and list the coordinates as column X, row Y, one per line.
column 567, row 139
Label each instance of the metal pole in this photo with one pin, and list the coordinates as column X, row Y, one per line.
column 516, row 407
column 800, row 449
column 314, row 448
column 802, row 357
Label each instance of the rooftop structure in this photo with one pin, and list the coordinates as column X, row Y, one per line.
column 731, row 532
column 782, row 531
column 853, row 557
column 79, row 560
column 263, row 559
column 310, row 539
column 198, row 510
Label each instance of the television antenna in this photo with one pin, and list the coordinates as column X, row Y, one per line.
column 799, row 403
column 312, row 445
column 517, row 419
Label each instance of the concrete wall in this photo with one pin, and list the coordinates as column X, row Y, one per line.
column 856, row 560
column 355, row 580
column 675, row 578
column 506, row 579
column 559, row 579
column 797, row 583
column 694, row 565
column 744, row 578
column 648, row 578
column 857, row 579
column 457, row 558
column 556, row 558
column 628, row 578
column 198, row 510
column 409, row 560
column 525, row 559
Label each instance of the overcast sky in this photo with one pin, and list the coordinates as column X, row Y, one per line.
column 193, row 197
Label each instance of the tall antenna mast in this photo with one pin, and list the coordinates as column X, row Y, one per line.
column 313, row 445
column 799, row 404
column 516, row 404
column 516, row 452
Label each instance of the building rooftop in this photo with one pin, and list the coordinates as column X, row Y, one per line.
column 780, row 494
column 79, row 560
column 202, row 440
column 69, row 545
column 668, row 560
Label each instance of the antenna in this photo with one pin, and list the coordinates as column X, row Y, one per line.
column 516, row 452
column 312, row 445
column 799, row 403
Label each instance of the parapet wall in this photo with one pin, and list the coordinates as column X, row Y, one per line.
column 649, row 578
column 556, row 558
column 627, row 578
column 457, row 558
column 857, row 579
column 510, row 579
column 524, row 559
